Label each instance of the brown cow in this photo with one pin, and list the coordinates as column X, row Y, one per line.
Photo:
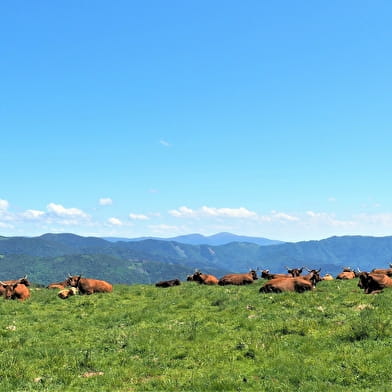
column 57, row 285
column 265, row 274
column 327, row 277
column 15, row 291
column 203, row 278
column 168, row 283
column 238, row 279
column 313, row 276
column 291, row 273
column 23, row 281
column 385, row 271
column 279, row 285
column 347, row 274
column 89, row 286
column 373, row 283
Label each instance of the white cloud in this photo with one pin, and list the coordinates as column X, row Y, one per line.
column 282, row 216
column 205, row 211
column 138, row 216
column 115, row 222
column 105, row 201
column 33, row 214
column 59, row 210
column 4, row 205
column 164, row 143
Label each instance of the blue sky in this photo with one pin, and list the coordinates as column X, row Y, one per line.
column 163, row 118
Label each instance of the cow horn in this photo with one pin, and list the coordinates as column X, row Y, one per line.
column 2, row 283
column 25, row 277
column 307, row 269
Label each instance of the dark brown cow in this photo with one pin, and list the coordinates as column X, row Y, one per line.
column 279, row 285
column 57, row 285
column 373, row 283
column 291, row 273
column 265, row 274
column 313, row 276
column 23, row 281
column 15, row 291
column 168, row 283
column 89, row 286
column 238, row 279
column 203, row 278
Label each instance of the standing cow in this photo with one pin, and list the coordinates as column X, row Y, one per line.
column 89, row 286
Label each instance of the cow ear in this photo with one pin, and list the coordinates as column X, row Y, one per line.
column 14, row 286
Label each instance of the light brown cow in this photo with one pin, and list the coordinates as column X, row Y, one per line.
column 347, row 274
column 327, row 277
column 15, row 291
column 203, row 278
column 89, row 286
column 279, row 285
column 66, row 293
column 385, row 271
column 23, row 281
column 238, row 279
column 57, row 285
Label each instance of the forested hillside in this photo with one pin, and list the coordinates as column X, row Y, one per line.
column 51, row 257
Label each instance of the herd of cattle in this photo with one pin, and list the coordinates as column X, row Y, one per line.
column 371, row 282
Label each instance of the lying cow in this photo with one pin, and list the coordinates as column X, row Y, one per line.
column 385, row 271
column 89, row 286
column 66, row 293
column 168, row 283
column 23, row 281
column 57, row 285
column 347, row 274
column 279, row 285
column 238, row 279
column 373, row 283
column 203, row 278
column 15, row 291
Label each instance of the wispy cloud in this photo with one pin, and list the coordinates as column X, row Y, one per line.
column 105, row 201
column 138, row 217
column 3, row 205
column 115, row 221
column 185, row 212
column 164, row 143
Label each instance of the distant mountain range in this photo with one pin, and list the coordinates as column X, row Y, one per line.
column 51, row 257
column 198, row 239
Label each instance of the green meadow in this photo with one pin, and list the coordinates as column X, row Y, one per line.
column 198, row 338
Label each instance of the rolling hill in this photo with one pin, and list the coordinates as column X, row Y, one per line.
column 51, row 257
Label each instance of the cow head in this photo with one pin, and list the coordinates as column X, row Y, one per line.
column 24, row 281
column 9, row 289
column 73, row 281
column 253, row 274
column 295, row 272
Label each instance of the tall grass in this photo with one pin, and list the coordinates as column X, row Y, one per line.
column 198, row 338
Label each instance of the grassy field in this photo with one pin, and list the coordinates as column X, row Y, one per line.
column 198, row 338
